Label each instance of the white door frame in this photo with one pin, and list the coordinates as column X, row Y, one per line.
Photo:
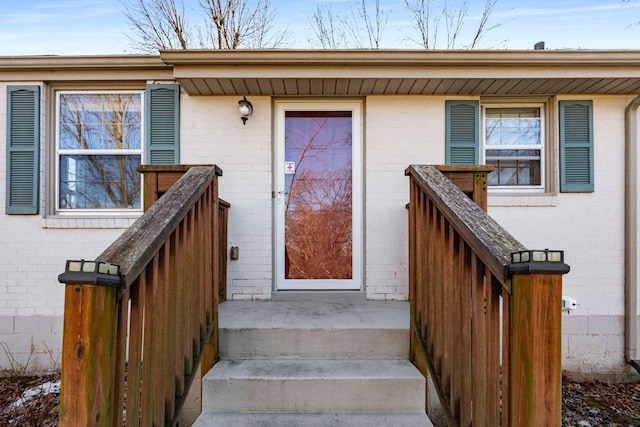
column 356, row 282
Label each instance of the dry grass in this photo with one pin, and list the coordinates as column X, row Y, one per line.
column 600, row 404
column 41, row 410
column 21, row 376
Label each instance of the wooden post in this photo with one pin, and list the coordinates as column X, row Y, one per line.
column 471, row 179
column 159, row 178
column 536, row 334
column 88, row 356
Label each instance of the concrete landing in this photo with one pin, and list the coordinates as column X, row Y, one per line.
column 317, row 313
column 348, row 328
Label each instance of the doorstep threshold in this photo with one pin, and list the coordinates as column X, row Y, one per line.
column 337, row 296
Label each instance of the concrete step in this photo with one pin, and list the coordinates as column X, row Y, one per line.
column 313, row 386
column 309, row 359
column 313, row 420
column 340, row 328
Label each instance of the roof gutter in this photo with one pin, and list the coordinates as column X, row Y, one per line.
column 80, row 62
column 74, row 69
column 395, row 58
column 632, row 240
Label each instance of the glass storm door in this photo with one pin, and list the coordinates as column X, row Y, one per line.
column 318, row 196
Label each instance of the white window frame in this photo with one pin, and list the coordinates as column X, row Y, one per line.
column 61, row 152
column 542, row 146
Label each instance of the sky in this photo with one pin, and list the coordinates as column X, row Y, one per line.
column 99, row 27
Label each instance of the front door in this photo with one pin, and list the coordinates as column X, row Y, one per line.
column 318, row 196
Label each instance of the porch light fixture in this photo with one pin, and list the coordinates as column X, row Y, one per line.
column 245, row 108
column 91, row 273
column 537, row 261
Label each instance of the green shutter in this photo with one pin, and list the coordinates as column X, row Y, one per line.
column 576, row 147
column 163, row 124
column 23, row 149
column 462, row 132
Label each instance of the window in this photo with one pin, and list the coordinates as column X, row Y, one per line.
column 98, row 148
column 513, row 141
column 513, row 138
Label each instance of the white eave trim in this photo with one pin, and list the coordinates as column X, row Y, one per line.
column 62, row 63
column 475, row 58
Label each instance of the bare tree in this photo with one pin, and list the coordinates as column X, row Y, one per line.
column 224, row 24
column 374, row 23
column 235, row 24
column 438, row 23
column 157, row 24
column 428, row 16
column 635, row 23
column 319, row 232
column 327, row 29
column 425, row 21
column 318, row 214
column 360, row 26
column 482, row 28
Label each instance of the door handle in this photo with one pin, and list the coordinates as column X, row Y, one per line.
column 279, row 194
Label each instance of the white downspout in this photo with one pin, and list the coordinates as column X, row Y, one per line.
column 632, row 240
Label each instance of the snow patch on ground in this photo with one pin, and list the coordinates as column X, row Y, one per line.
column 50, row 387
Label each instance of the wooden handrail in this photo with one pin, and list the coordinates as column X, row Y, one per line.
column 158, row 179
column 145, row 338
column 487, row 238
column 485, row 329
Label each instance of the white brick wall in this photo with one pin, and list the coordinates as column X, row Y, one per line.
column 33, row 257
column 212, row 132
column 592, row 346
column 394, row 139
column 30, row 343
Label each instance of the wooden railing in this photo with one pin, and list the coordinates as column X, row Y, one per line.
column 158, row 179
column 135, row 338
column 485, row 324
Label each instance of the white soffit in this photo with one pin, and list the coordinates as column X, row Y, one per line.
column 393, row 72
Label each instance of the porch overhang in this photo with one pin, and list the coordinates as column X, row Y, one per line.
column 405, row 72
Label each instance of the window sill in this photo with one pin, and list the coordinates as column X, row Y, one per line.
column 87, row 222
column 522, row 200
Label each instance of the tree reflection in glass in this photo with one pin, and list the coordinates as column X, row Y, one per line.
column 99, row 144
column 318, row 203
